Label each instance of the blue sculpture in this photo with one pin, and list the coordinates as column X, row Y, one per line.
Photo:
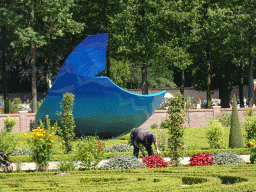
column 100, row 106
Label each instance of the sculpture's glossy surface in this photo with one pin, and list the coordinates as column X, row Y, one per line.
column 100, row 106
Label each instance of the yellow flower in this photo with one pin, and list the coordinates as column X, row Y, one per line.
column 64, row 142
column 24, row 142
column 60, row 144
column 49, row 144
column 31, row 137
column 38, row 134
column 40, row 139
column 46, row 116
column 52, row 128
column 251, row 143
column 25, row 134
column 52, row 141
column 50, row 135
column 55, row 145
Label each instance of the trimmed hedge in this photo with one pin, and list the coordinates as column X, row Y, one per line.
column 185, row 178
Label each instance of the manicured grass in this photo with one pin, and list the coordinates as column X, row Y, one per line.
column 195, row 140
column 184, row 178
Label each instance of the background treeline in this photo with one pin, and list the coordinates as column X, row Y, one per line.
column 205, row 44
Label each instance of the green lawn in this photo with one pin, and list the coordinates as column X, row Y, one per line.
column 194, row 138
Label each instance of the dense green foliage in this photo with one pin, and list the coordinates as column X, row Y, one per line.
column 42, row 141
column 89, row 151
column 209, row 178
column 177, row 110
column 9, row 122
column 224, row 118
column 215, row 132
column 235, row 137
column 250, row 125
column 67, row 120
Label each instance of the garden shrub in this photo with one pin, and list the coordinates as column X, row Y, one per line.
column 227, row 158
column 215, row 132
column 21, row 152
column 42, row 142
column 89, row 151
column 201, row 159
column 66, row 164
column 250, row 127
column 67, row 120
column 123, row 162
column 120, row 147
column 154, row 126
column 7, row 142
column 164, row 124
column 177, row 110
column 162, row 140
column 253, row 155
column 9, row 123
column 224, row 118
column 154, row 161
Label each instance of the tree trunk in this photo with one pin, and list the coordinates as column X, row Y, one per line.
column 182, row 82
column 241, row 85
column 208, row 61
column 251, row 83
column 108, row 63
column 33, row 66
column 208, row 65
column 5, row 72
column 224, row 95
column 144, row 80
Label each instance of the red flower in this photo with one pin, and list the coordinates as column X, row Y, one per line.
column 154, row 161
column 201, row 159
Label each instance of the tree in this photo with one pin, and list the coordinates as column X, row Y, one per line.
column 235, row 136
column 136, row 31
column 42, row 22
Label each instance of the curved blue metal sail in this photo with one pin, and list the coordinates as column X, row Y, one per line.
column 100, row 106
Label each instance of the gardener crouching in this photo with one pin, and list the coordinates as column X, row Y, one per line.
column 145, row 137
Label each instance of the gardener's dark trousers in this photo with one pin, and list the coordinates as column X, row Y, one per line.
column 136, row 150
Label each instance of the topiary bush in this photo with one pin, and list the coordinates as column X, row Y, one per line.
column 235, row 136
column 21, row 152
column 119, row 147
column 215, row 132
column 123, row 162
column 201, row 159
column 154, row 161
column 9, row 122
column 227, row 158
